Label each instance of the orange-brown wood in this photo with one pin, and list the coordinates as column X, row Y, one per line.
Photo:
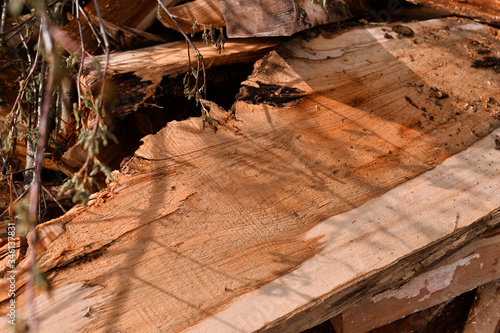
column 344, row 176
column 474, row 265
column 138, row 15
column 484, row 10
column 484, row 316
column 138, row 73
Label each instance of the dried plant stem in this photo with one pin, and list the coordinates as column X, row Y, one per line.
column 11, row 206
column 87, row 18
column 23, row 88
column 82, row 50
column 106, row 50
column 54, row 199
column 199, row 56
column 9, row 34
column 99, row 106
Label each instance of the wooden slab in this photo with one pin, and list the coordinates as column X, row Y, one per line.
column 355, row 261
column 138, row 73
column 205, row 12
column 264, row 18
column 447, row 317
column 421, row 320
column 139, row 16
column 464, row 270
column 288, row 211
column 485, row 10
column 484, row 317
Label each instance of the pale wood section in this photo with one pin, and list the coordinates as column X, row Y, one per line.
column 469, row 267
column 484, row 10
column 206, row 12
column 138, row 73
column 289, row 211
column 59, row 307
column 484, row 316
column 261, row 18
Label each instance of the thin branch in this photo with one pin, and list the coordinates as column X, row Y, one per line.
column 35, row 184
column 13, row 31
column 82, row 45
column 20, row 171
column 18, row 198
column 54, row 199
column 42, row 216
column 188, row 40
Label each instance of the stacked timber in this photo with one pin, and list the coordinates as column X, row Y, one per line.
column 354, row 180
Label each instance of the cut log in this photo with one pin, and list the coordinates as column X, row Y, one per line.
column 484, row 316
column 138, row 73
column 447, row 317
column 264, row 18
column 139, row 15
column 286, row 212
column 205, row 12
column 471, row 266
column 485, row 10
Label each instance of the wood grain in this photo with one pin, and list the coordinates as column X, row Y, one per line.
column 137, row 74
column 471, row 266
column 205, row 12
column 288, row 211
column 264, row 18
column 484, row 10
column 484, row 316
